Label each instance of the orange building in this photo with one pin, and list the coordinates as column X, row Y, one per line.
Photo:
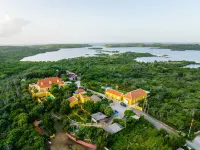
column 134, row 96
column 45, row 84
column 114, row 94
column 79, row 91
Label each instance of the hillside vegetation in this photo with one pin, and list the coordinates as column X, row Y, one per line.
column 173, row 99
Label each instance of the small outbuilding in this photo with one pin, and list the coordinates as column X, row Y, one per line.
column 97, row 117
column 113, row 128
column 95, row 98
column 137, row 117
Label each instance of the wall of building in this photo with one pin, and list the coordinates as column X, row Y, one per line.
column 116, row 97
column 72, row 104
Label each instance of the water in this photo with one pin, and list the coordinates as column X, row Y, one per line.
column 192, row 66
column 190, row 55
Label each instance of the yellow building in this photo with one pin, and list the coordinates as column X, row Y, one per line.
column 113, row 94
column 79, row 91
column 79, row 94
column 44, row 85
column 41, row 89
column 43, row 94
column 134, row 96
column 83, row 98
column 73, row 101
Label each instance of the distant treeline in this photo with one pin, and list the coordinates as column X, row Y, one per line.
column 179, row 47
column 61, row 46
column 19, row 52
column 95, row 48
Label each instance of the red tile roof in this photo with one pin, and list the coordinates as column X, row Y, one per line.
column 114, row 92
column 135, row 94
column 80, row 91
column 39, row 130
column 71, row 99
column 47, row 82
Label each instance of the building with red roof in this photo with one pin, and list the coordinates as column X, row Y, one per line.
column 45, row 84
column 80, row 91
column 114, row 94
column 73, row 101
column 134, row 96
column 83, row 98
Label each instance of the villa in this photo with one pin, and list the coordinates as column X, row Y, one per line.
column 129, row 98
column 44, row 85
column 80, row 95
column 113, row 94
column 134, row 96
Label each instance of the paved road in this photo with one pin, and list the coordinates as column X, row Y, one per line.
column 121, row 109
column 195, row 144
column 157, row 124
column 78, row 83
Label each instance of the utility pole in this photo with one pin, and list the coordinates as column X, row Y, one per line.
column 147, row 108
column 145, row 103
column 193, row 111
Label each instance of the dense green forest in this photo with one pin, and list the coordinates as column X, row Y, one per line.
column 142, row 135
column 178, row 47
column 18, row 52
column 174, row 93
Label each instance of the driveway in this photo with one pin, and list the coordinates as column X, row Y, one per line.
column 121, row 109
column 78, row 83
column 195, row 144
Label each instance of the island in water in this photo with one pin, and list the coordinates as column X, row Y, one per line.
column 177, row 47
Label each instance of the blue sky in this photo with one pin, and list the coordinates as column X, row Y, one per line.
column 93, row 21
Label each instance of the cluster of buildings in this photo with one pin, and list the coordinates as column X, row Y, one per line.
column 129, row 98
column 112, row 128
column 42, row 87
column 79, row 96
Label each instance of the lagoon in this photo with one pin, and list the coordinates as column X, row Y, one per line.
column 192, row 66
column 79, row 52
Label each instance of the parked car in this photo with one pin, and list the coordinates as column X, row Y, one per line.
column 123, row 104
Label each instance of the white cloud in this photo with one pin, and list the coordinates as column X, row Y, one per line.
column 12, row 26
